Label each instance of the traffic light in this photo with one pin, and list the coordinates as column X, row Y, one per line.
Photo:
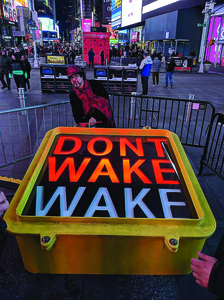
column 211, row 42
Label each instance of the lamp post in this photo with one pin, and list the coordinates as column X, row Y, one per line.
column 35, row 63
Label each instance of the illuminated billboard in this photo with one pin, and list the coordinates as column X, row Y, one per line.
column 86, row 25
column 9, row 12
column 47, row 24
column 21, row 3
column 131, row 12
column 116, row 14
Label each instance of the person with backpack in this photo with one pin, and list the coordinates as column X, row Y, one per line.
column 18, row 72
column 27, row 69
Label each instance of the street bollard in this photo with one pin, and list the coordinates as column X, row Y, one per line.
column 133, row 103
column 22, row 99
column 120, row 61
column 189, row 106
column 106, row 62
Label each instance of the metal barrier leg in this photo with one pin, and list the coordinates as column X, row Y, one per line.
column 132, row 107
column 22, row 99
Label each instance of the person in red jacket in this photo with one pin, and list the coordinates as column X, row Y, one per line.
column 89, row 100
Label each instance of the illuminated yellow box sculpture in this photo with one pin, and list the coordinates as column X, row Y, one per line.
column 110, row 201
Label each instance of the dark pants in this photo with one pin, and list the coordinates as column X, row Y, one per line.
column 169, row 75
column 20, row 81
column 102, row 62
column 145, row 81
column 155, row 77
column 91, row 62
column 27, row 83
column 3, row 80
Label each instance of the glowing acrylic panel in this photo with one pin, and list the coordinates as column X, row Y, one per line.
column 132, row 177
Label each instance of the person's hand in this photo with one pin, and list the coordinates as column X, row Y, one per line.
column 202, row 268
column 92, row 122
column 4, row 204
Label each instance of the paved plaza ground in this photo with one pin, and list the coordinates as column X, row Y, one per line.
column 17, row 283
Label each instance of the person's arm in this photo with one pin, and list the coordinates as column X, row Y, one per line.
column 29, row 66
column 202, row 268
column 216, row 279
column 142, row 64
column 4, row 204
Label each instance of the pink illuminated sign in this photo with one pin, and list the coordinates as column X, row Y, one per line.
column 86, row 25
column 216, row 32
column 134, row 37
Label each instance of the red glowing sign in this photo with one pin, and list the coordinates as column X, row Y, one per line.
column 110, row 177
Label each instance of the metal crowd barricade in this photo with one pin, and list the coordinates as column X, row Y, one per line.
column 189, row 119
column 213, row 155
column 21, row 135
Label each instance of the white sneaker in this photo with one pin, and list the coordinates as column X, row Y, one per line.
column 153, row 85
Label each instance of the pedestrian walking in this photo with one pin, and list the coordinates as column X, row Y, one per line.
column 18, row 72
column 145, row 66
column 156, row 64
column 5, row 69
column 27, row 69
column 72, row 56
column 170, row 70
column 102, row 57
column 91, row 55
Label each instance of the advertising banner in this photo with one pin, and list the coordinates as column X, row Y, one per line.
column 55, row 60
column 134, row 37
column 47, row 24
column 131, row 12
column 98, row 41
column 86, row 25
column 106, row 11
column 216, row 33
column 21, row 3
column 117, row 4
column 183, row 64
column 9, row 12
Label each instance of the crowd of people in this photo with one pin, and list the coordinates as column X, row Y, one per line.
column 14, row 63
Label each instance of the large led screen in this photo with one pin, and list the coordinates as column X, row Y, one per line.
column 47, row 24
column 131, row 12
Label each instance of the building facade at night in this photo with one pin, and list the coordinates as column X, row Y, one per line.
column 18, row 19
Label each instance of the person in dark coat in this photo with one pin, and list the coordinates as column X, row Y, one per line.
column 5, row 69
column 89, row 101
column 91, row 55
column 10, row 52
column 4, row 205
column 156, row 64
column 18, row 72
column 170, row 70
column 27, row 68
column 102, row 57
column 209, row 271
column 72, row 56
